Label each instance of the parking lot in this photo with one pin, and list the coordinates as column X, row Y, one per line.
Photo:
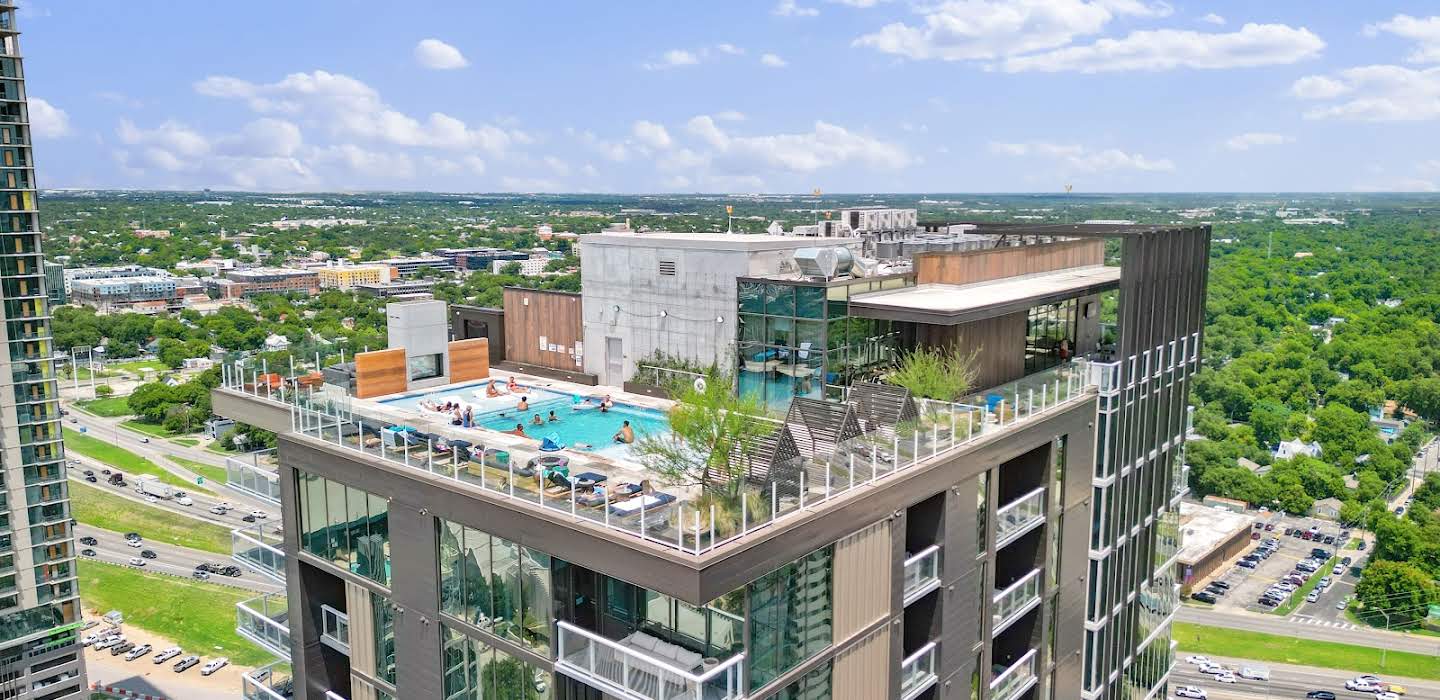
column 1247, row 585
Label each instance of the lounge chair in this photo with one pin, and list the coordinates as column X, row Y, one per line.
column 646, row 502
column 616, row 494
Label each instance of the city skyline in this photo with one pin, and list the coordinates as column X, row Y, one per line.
column 773, row 96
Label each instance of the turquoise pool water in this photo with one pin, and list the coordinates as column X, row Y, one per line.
column 579, row 429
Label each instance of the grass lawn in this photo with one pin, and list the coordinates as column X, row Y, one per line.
column 108, row 407
column 198, row 616
column 213, row 474
column 110, row 512
column 139, row 365
column 150, row 429
column 1298, row 597
column 121, row 458
column 188, row 442
column 1220, row 641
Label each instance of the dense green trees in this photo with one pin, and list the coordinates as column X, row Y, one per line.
column 1395, row 593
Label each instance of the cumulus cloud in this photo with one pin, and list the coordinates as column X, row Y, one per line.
column 789, row 8
column 1213, row 18
column 825, row 145
column 680, row 58
column 438, row 55
column 1380, row 93
column 616, row 151
column 859, row 3
column 651, row 134
column 265, row 154
column 1253, row 139
column 1168, row 49
column 773, row 61
column 48, row 121
column 1082, row 159
column 1423, row 31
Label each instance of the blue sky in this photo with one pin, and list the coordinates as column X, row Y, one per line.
column 772, row 96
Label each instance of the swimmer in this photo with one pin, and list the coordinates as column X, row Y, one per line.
column 626, row 434
column 491, row 391
column 519, row 430
column 535, row 420
column 523, row 405
column 554, row 418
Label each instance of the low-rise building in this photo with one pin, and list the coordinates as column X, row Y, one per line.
column 410, row 267
column 1290, row 449
column 91, row 273
column 346, row 277
column 396, row 288
column 268, row 280
column 275, row 343
column 532, row 264
column 55, row 283
column 1211, row 537
column 152, row 233
column 1327, row 508
column 148, row 294
column 478, row 258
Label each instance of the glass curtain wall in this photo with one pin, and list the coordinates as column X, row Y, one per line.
column 791, row 616
column 345, row 525
column 383, row 619
column 473, row 670
column 496, row 585
column 1050, row 335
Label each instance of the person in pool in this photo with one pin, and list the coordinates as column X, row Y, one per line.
column 490, row 391
column 519, row 430
column 535, row 420
column 554, row 418
column 514, row 387
column 606, row 404
column 523, row 405
column 626, row 434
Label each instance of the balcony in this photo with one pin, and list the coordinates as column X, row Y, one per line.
column 263, row 620
column 630, row 672
column 272, row 682
column 1019, row 517
column 258, row 550
column 1017, row 599
column 917, row 672
column 922, row 573
column 253, row 478
column 1012, row 682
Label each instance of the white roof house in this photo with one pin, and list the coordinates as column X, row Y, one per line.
column 1291, row 449
column 275, row 342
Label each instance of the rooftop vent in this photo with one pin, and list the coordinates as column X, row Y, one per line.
column 824, row 262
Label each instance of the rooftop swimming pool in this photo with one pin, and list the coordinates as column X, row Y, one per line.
column 576, row 427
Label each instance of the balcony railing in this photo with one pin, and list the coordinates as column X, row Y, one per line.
column 1017, row 599
column 259, row 550
column 493, row 463
column 249, row 476
column 917, row 672
column 264, row 621
column 1011, row 682
column 272, row 682
column 629, row 672
column 922, row 573
column 1019, row 517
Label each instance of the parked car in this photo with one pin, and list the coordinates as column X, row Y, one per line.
column 214, row 665
column 186, row 663
column 1220, row 584
column 1329, row 539
column 1203, row 596
column 109, row 641
column 1314, row 596
column 165, row 655
column 1246, row 563
column 119, row 649
column 1361, row 546
column 1269, row 527
column 1346, row 561
column 138, row 652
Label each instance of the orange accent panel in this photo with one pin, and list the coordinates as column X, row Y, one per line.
column 380, row 372
column 971, row 266
column 469, row 359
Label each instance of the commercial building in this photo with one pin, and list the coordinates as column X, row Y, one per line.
column 265, row 280
column 478, row 258
column 1018, row 544
column 1213, row 536
column 55, row 283
column 532, row 264
column 410, row 267
column 346, row 277
column 394, row 289
column 110, row 272
column 40, row 615
column 136, row 294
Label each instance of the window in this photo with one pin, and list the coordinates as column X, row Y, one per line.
column 426, row 366
column 346, row 526
column 473, row 670
column 1050, row 335
column 814, row 685
column 496, row 585
column 335, row 629
column 790, row 616
column 383, row 618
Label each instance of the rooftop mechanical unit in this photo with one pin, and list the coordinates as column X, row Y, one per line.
column 824, row 262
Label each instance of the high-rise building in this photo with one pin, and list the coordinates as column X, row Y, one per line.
column 39, row 600
column 1017, row 543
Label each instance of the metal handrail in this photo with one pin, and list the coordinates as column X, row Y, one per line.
column 687, row 675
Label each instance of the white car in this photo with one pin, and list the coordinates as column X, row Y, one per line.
column 137, row 561
column 214, row 665
column 151, row 499
column 1386, row 695
column 219, row 510
column 1342, row 605
column 1213, row 669
column 1190, row 691
column 135, row 543
column 1359, row 684
column 108, row 642
column 1197, row 659
column 1226, row 677
column 1314, row 596
column 259, row 514
column 166, row 655
column 185, row 501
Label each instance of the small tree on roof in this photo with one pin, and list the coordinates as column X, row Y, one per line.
column 710, row 427
column 944, row 374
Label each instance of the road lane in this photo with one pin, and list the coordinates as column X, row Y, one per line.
column 1288, row 681
column 176, row 561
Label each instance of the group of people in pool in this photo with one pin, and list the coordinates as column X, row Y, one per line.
column 463, row 414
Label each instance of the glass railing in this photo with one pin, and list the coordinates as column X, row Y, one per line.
column 1019, row 517
column 272, row 682
column 264, row 621
column 1015, row 600
column 250, row 476
column 917, row 672
column 1011, row 682
column 259, row 550
column 922, row 573
column 632, row 672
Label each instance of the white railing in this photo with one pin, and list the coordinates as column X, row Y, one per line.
column 270, row 682
column 1017, row 599
column 263, row 620
column 253, row 479
column 860, row 463
column 922, row 573
column 1015, row 680
column 917, row 672
column 259, row 551
column 1019, row 517
column 621, row 670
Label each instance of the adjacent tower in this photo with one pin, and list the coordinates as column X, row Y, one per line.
column 39, row 599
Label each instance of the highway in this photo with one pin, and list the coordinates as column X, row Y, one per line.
column 177, row 561
column 1287, row 682
column 241, row 504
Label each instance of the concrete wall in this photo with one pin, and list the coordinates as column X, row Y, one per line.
column 422, row 328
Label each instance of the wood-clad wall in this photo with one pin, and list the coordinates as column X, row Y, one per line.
column 999, row 340
column 380, row 372
column 863, row 570
column 362, row 628
column 548, row 331
column 968, row 267
column 862, row 671
column 469, row 359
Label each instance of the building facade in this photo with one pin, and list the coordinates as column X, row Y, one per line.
column 109, row 272
column 267, row 280
column 478, row 258
column 40, row 656
column 55, row 283
column 347, row 277
column 137, row 294
column 410, row 267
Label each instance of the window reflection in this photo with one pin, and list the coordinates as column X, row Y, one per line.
column 346, row 526
column 496, row 585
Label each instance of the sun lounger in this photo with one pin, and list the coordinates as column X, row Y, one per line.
column 617, row 494
column 647, row 502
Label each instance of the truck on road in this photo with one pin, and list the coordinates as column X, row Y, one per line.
column 151, row 485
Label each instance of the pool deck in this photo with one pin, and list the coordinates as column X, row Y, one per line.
column 617, row 470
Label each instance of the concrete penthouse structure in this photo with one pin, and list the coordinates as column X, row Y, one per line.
column 266, row 280
column 1017, row 544
column 40, row 657
column 112, row 272
column 343, row 276
column 479, row 258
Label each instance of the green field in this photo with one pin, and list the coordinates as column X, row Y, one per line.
column 108, row 407
column 198, row 616
column 139, row 365
column 1219, row 641
column 150, row 429
column 213, row 474
column 188, row 442
column 120, row 458
column 107, row 511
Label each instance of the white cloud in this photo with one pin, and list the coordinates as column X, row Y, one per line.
column 730, row 49
column 826, row 145
column 1081, row 159
column 961, row 30
column 556, row 165
column 773, row 61
column 266, row 137
column 266, row 154
column 862, row 4
column 46, row 120
column 365, row 163
column 1423, row 31
column 789, row 8
column 511, row 183
column 438, row 55
column 610, row 150
column 674, row 58
column 1213, row 18
column 1253, row 139
column 651, row 134
column 1379, row 93
column 1167, row 49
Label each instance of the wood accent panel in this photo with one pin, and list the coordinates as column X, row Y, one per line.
column 999, row 340
column 553, row 316
column 380, row 372
column 862, row 671
column 863, row 571
column 469, row 359
column 362, row 628
column 971, row 266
